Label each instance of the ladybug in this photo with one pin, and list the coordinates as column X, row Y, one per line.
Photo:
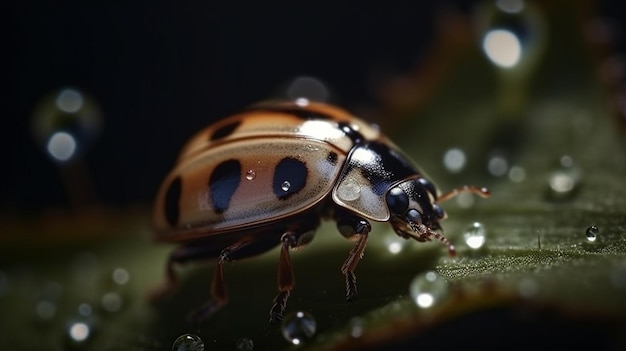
column 267, row 176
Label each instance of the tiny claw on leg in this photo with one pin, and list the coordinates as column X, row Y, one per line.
column 278, row 306
column 351, row 289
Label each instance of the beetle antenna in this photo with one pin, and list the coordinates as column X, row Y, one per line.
column 482, row 192
column 445, row 241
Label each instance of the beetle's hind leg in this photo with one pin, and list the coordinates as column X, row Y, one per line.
column 219, row 293
column 180, row 255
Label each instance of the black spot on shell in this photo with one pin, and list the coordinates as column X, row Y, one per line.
column 224, row 131
column 172, row 202
column 223, row 183
column 290, row 177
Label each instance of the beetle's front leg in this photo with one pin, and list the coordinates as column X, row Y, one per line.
column 351, row 226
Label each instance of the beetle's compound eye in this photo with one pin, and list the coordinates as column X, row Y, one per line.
column 429, row 186
column 397, row 201
column 438, row 212
column 413, row 216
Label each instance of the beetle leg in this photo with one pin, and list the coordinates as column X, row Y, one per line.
column 180, row 255
column 285, row 277
column 219, row 293
column 350, row 227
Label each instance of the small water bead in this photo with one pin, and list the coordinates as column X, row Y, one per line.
column 298, row 327
column 475, row 235
column 79, row 334
column 188, row 342
column 349, row 190
column 498, row 165
column 428, row 289
column 465, row 200
column 592, row 233
column 517, row 174
column 66, row 122
column 528, row 288
column 356, row 326
column 512, row 33
column 566, row 161
column 244, row 344
column 120, row 276
column 286, row 185
column 563, row 184
column 84, row 309
column 251, row 174
column 308, row 88
column 79, row 331
column 46, row 309
column 454, row 160
column 111, row 302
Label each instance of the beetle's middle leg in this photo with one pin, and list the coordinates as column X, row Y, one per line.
column 351, row 226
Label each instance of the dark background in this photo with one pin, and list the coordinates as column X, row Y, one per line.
column 161, row 71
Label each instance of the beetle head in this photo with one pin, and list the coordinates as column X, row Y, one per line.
column 414, row 211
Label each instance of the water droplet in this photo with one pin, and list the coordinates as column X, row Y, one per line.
column 618, row 277
column 251, row 174
column 592, row 233
column 84, row 309
column 465, row 200
column 498, row 165
column 394, row 247
column 65, row 122
column 46, row 309
column 309, row 88
column 111, row 302
column 286, row 185
column 349, row 190
column 298, row 327
column 188, row 342
column 356, row 326
column 517, row 174
column 563, row 183
column 528, row 288
column 475, row 235
column 566, row 161
column 120, row 276
column 454, row 160
column 428, row 289
column 302, row 102
column 244, row 344
column 79, row 334
column 512, row 33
